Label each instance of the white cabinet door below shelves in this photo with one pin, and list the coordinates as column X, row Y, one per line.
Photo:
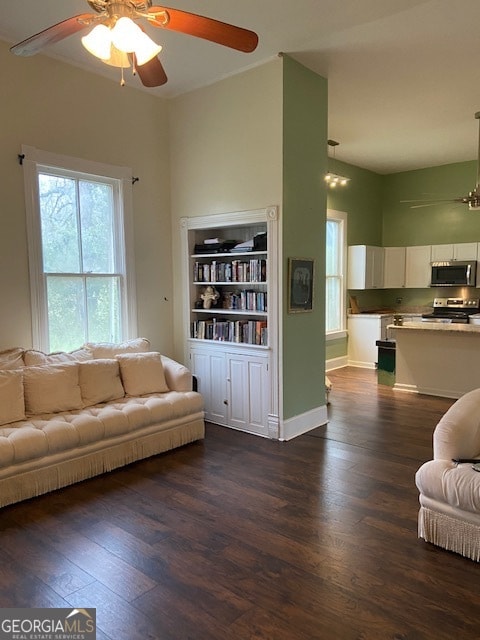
column 247, row 398
column 209, row 369
column 234, row 386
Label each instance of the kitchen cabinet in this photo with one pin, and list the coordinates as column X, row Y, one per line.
column 365, row 267
column 461, row 251
column 363, row 332
column 418, row 267
column 394, row 267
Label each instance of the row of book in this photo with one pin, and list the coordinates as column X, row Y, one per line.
column 235, row 271
column 241, row 331
column 245, row 300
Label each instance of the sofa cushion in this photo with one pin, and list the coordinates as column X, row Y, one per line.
column 111, row 349
column 100, row 381
column 48, row 434
column 142, row 373
column 52, row 388
column 38, row 358
column 12, row 405
column 11, row 358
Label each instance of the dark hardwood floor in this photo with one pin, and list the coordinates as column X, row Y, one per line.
column 241, row 538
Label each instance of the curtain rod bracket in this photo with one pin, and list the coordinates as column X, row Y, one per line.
column 21, row 158
column 134, row 180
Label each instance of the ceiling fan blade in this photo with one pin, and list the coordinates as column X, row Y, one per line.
column 435, row 201
column 432, row 203
column 427, row 204
column 207, row 28
column 53, row 34
column 152, row 73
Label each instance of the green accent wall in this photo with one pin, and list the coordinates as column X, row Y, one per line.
column 303, row 232
column 362, row 200
column 437, row 224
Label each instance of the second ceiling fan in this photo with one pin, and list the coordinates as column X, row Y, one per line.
column 473, row 197
column 117, row 40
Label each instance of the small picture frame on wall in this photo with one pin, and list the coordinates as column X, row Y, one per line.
column 300, row 285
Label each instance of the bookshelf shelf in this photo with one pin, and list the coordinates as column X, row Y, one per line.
column 233, row 312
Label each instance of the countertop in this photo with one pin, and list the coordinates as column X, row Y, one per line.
column 450, row 327
column 381, row 313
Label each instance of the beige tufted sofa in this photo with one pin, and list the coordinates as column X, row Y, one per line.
column 450, row 493
column 65, row 417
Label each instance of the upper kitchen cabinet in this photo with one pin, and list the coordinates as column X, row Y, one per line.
column 365, row 267
column 462, row 251
column 394, row 267
column 418, row 267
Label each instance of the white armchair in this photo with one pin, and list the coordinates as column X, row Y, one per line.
column 449, row 513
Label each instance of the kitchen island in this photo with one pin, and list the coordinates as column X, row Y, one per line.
column 439, row 359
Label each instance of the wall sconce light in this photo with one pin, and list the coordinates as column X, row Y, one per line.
column 335, row 179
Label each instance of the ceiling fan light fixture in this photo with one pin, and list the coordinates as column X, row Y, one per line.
column 125, row 34
column 98, row 42
column 146, row 49
column 118, row 58
column 127, row 37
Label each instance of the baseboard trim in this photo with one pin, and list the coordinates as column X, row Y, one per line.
column 362, row 365
column 336, row 363
column 428, row 391
column 298, row 425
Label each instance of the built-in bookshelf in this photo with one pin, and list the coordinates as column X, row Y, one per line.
column 238, row 281
column 231, row 316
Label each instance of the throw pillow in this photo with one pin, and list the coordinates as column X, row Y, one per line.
column 11, row 358
column 142, row 373
column 37, row 358
column 52, row 388
column 111, row 349
column 100, row 381
column 12, row 405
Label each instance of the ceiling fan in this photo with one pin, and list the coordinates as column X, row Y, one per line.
column 117, row 40
column 473, row 197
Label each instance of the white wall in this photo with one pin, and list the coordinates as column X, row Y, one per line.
column 63, row 109
column 226, row 153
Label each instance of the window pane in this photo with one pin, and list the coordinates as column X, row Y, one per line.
column 58, row 212
column 333, row 248
column 103, row 304
column 66, row 316
column 333, row 320
column 96, row 214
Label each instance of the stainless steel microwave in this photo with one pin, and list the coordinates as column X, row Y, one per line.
column 454, row 273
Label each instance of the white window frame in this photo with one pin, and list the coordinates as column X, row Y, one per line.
column 341, row 218
column 34, row 162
